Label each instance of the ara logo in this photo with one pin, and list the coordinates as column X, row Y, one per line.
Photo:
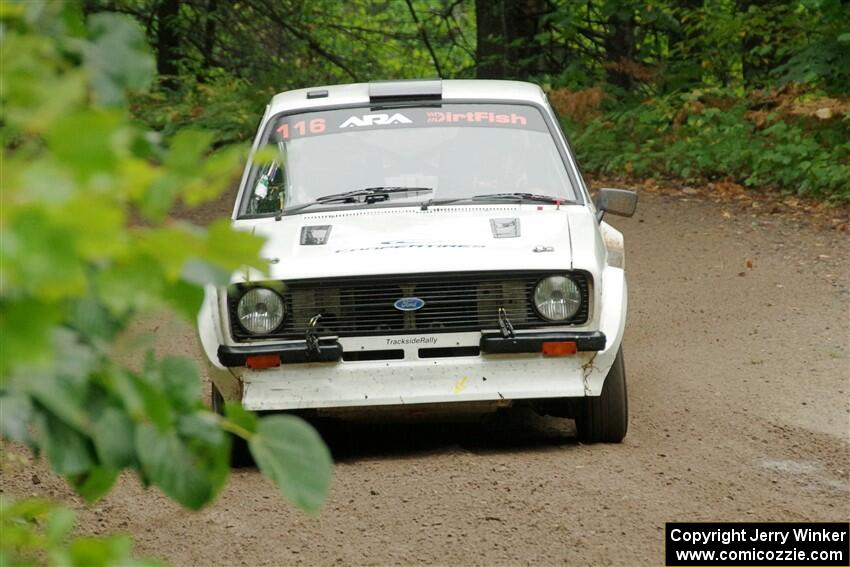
column 376, row 120
column 409, row 304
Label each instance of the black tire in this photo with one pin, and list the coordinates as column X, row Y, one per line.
column 605, row 418
column 240, row 455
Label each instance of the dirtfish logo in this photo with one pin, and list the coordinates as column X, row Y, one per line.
column 376, row 120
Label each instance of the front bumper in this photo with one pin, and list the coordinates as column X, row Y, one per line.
column 330, row 350
column 504, row 369
column 289, row 353
column 533, row 342
column 457, row 379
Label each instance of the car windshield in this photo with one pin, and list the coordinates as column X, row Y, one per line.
column 445, row 152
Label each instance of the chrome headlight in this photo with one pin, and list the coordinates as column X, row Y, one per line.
column 260, row 311
column 557, row 298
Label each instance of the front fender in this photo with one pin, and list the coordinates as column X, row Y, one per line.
column 211, row 335
column 612, row 322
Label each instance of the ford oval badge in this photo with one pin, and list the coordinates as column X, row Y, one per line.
column 409, row 304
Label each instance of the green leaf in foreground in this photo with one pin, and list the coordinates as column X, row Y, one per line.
column 68, row 451
column 181, row 380
column 101, row 552
column 118, row 57
column 96, row 483
column 189, row 475
column 184, row 297
column 290, row 452
column 15, row 415
column 60, row 522
column 113, row 438
column 241, row 417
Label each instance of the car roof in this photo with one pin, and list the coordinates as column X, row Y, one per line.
column 358, row 93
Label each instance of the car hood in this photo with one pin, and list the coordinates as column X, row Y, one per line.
column 410, row 240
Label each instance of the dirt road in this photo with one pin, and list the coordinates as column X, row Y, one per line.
column 738, row 382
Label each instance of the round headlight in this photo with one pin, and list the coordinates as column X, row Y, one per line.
column 260, row 311
column 557, row 298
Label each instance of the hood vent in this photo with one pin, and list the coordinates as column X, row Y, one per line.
column 505, row 228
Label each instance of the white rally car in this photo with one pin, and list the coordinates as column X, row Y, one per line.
column 431, row 245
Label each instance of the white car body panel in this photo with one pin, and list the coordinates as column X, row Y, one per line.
column 409, row 240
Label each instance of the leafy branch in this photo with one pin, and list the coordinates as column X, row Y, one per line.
column 88, row 247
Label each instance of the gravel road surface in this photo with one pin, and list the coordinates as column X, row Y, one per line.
column 737, row 361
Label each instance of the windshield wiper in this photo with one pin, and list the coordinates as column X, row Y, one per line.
column 369, row 195
column 519, row 197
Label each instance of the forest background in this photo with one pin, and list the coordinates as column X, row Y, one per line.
column 752, row 92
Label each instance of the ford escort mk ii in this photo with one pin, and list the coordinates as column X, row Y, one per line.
column 431, row 245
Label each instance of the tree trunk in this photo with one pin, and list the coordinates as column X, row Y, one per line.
column 209, row 35
column 490, row 36
column 756, row 67
column 507, row 44
column 167, row 40
column 620, row 48
column 524, row 49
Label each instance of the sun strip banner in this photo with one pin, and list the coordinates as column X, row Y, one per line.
column 321, row 123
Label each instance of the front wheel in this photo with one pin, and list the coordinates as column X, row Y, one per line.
column 240, row 455
column 605, row 418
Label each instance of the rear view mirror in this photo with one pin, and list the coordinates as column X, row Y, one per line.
column 615, row 201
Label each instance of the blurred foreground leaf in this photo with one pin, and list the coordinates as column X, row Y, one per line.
column 117, row 57
column 290, row 452
column 89, row 246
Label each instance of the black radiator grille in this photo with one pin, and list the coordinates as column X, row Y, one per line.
column 454, row 302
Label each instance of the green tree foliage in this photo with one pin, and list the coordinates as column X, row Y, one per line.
column 640, row 48
column 87, row 246
column 750, row 90
column 220, row 62
column 226, row 59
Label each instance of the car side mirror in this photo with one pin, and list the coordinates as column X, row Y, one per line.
column 615, row 201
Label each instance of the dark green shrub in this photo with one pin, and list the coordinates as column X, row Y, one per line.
column 694, row 136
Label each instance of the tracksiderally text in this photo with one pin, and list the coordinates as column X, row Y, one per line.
column 413, row 341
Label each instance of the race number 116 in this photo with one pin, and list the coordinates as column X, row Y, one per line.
column 302, row 128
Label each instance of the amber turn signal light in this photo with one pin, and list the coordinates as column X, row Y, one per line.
column 560, row 348
column 258, row 361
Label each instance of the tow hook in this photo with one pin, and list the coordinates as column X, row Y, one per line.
column 311, row 339
column 505, row 325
